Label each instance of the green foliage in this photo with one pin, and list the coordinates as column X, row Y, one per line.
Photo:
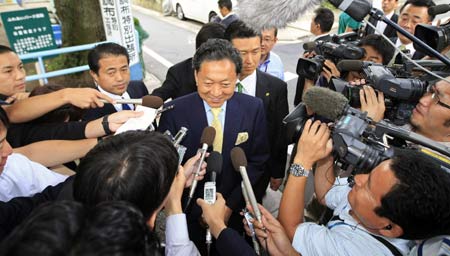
column 328, row 5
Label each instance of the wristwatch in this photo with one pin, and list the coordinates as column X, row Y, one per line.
column 298, row 170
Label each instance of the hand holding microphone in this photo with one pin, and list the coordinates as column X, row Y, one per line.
column 207, row 139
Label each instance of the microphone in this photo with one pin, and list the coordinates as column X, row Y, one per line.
column 309, row 46
column 325, row 102
column 351, row 65
column 179, row 136
column 438, row 9
column 239, row 162
column 357, row 9
column 333, row 105
column 206, row 140
column 260, row 14
column 146, row 101
column 214, row 168
column 248, row 217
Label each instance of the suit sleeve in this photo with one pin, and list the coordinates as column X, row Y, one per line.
column 13, row 212
column 169, row 87
column 257, row 156
column 278, row 150
column 24, row 134
column 230, row 242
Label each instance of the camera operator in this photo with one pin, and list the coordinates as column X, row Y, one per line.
column 431, row 117
column 406, row 197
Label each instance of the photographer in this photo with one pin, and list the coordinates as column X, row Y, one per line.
column 406, row 197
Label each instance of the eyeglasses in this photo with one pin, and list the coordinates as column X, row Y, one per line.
column 268, row 40
column 434, row 95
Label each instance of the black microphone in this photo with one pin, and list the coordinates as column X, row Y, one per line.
column 260, row 14
column 207, row 139
column 333, row 105
column 357, row 9
column 438, row 9
column 351, row 65
column 214, row 168
column 239, row 162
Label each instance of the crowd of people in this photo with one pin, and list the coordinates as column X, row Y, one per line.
column 118, row 185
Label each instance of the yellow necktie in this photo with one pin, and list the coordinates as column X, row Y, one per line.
column 218, row 140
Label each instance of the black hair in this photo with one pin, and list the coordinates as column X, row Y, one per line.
column 380, row 45
column 325, row 18
column 215, row 50
column 208, row 31
column 4, row 118
column 420, row 201
column 225, row 3
column 136, row 166
column 61, row 114
column 116, row 228
column 420, row 3
column 5, row 49
column 104, row 50
column 238, row 29
column 49, row 230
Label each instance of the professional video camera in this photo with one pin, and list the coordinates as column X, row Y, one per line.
column 436, row 37
column 359, row 143
column 336, row 48
column 401, row 94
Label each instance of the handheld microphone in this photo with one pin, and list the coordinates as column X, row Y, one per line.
column 240, row 165
column 438, row 9
column 351, row 65
column 260, row 14
column 206, row 140
column 333, row 105
column 249, row 217
column 214, row 168
column 146, row 101
column 179, row 136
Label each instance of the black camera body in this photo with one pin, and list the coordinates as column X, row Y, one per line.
column 436, row 37
column 338, row 47
column 401, row 94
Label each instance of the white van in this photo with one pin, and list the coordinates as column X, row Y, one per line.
column 199, row 10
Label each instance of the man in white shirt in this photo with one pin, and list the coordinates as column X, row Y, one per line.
column 388, row 7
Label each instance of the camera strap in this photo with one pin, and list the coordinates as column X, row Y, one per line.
column 386, row 243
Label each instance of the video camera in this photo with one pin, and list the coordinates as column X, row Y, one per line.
column 436, row 37
column 401, row 94
column 359, row 143
column 336, row 48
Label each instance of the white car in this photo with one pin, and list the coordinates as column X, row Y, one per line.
column 199, row 10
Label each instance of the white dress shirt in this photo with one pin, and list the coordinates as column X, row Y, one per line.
column 125, row 95
column 249, row 84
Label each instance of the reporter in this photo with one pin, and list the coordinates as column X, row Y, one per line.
column 377, row 214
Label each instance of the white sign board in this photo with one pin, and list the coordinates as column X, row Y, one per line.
column 119, row 25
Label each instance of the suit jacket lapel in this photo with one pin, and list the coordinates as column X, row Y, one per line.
column 262, row 89
column 233, row 119
column 197, row 114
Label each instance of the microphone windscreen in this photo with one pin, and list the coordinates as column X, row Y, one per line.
column 214, row 162
column 238, row 158
column 151, row 101
column 309, row 46
column 208, row 135
column 350, row 65
column 261, row 14
column 438, row 9
column 325, row 102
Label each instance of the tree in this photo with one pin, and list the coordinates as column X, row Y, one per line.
column 81, row 23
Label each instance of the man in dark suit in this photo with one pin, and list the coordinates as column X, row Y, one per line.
column 412, row 12
column 180, row 78
column 109, row 67
column 388, row 7
column 239, row 120
column 273, row 93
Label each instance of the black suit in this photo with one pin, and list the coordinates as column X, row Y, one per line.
column 388, row 31
column 136, row 90
column 180, row 80
column 273, row 92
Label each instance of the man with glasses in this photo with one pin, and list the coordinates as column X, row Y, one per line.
column 270, row 62
column 431, row 117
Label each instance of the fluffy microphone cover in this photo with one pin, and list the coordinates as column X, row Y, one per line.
column 325, row 102
column 208, row 135
column 261, row 14
column 152, row 101
column 238, row 158
column 214, row 163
